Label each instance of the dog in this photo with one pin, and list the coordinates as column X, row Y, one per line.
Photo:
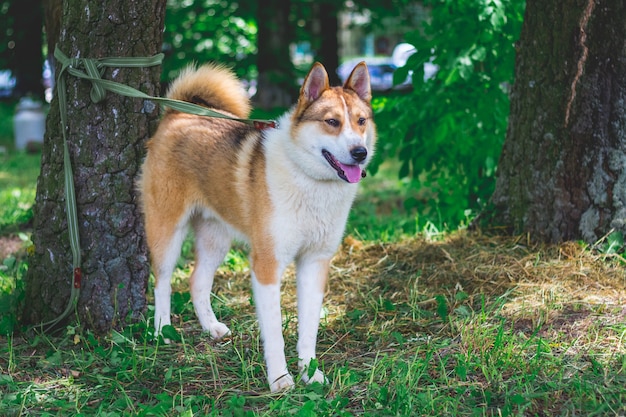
column 286, row 192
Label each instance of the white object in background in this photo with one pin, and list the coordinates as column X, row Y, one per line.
column 29, row 123
column 401, row 53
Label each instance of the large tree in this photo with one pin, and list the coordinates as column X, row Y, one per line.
column 276, row 80
column 106, row 147
column 562, row 172
column 326, row 39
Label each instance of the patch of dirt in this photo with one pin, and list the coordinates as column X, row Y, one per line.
column 9, row 245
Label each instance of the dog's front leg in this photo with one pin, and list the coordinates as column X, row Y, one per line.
column 312, row 274
column 266, row 290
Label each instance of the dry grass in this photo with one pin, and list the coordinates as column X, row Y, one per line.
column 567, row 286
column 561, row 292
column 537, row 275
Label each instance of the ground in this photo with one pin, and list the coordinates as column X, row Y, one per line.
column 459, row 324
column 9, row 245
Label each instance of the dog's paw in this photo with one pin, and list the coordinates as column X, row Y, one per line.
column 282, row 383
column 318, row 376
column 219, row 330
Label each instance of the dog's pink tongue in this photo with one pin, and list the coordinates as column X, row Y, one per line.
column 352, row 172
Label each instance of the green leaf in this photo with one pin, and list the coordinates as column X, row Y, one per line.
column 479, row 53
column 5, row 379
column 518, row 399
column 498, row 19
column 7, row 324
column 399, row 338
column 312, row 367
column 461, row 371
column 169, row 332
column 400, row 75
column 389, row 305
column 186, row 413
column 355, row 314
column 466, row 67
column 615, row 242
column 442, row 307
column 461, row 296
column 452, row 77
column 9, row 262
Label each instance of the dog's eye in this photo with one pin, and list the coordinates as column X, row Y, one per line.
column 332, row 122
column 361, row 121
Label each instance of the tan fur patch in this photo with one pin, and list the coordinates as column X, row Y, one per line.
column 187, row 168
column 216, row 85
column 332, row 106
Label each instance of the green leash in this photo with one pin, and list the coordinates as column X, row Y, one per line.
column 92, row 70
column 99, row 86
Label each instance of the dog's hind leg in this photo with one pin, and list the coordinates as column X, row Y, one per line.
column 165, row 248
column 212, row 243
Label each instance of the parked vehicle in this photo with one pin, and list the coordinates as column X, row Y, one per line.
column 7, row 83
column 381, row 68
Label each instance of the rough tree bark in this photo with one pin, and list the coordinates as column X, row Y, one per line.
column 106, row 143
column 562, row 173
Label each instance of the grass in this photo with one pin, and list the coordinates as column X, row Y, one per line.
column 417, row 321
column 465, row 325
column 18, row 174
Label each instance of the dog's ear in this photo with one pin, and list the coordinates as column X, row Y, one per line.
column 315, row 83
column 359, row 82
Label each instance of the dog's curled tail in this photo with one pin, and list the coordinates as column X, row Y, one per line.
column 213, row 86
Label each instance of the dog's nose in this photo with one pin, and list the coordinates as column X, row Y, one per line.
column 359, row 153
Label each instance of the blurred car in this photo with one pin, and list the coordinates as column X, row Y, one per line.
column 381, row 71
column 381, row 68
column 7, row 83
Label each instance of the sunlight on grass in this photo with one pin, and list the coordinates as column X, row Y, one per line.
column 15, row 206
column 18, row 179
column 418, row 328
column 19, row 170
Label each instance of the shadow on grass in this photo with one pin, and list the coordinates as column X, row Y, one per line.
column 464, row 325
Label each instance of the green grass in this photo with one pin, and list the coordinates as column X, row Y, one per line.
column 417, row 321
column 393, row 345
column 18, row 176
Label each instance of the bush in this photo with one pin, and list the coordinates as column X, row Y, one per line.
column 448, row 131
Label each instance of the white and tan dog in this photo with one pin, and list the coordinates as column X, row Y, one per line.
column 286, row 192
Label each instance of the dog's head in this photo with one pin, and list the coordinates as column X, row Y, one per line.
column 334, row 125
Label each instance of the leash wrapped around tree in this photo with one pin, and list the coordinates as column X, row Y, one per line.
column 91, row 70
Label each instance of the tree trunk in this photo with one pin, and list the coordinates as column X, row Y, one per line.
column 27, row 59
column 562, row 172
column 276, row 85
column 328, row 48
column 106, row 145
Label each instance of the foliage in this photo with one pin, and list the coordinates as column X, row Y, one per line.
column 7, row 110
column 448, row 131
column 206, row 30
column 12, row 270
column 18, row 175
column 15, row 207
